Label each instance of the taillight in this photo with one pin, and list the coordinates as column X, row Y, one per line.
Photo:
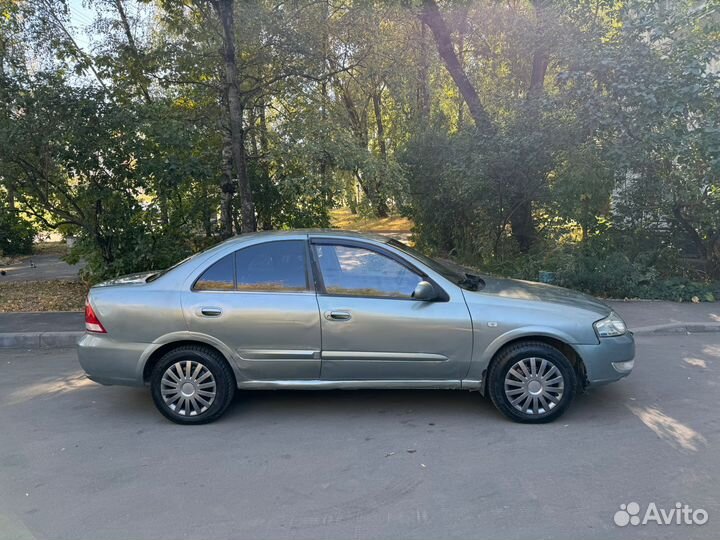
column 92, row 323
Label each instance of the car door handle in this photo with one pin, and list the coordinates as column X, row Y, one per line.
column 338, row 315
column 211, row 311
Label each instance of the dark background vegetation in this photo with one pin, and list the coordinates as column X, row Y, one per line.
column 579, row 137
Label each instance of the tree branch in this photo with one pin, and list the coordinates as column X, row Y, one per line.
column 432, row 17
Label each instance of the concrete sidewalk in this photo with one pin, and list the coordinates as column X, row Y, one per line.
column 655, row 316
column 644, row 317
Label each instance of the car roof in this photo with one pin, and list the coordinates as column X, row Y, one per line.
column 330, row 233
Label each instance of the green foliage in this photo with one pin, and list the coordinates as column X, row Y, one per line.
column 16, row 234
column 600, row 267
column 600, row 163
column 618, row 155
column 138, row 249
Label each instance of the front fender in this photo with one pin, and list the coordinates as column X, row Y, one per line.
column 483, row 353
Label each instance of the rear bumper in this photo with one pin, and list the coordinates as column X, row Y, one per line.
column 609, row 361
column 107, row 361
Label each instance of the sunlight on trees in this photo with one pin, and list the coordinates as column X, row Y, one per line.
column 575, row 137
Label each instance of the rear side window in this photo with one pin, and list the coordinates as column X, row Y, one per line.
column 272, row 266
column 219, row 277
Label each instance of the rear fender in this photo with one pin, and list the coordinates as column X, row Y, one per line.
column 185, row 335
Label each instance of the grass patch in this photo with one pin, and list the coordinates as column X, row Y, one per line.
column 51, row 248
column 342, row 218
column 53, row 295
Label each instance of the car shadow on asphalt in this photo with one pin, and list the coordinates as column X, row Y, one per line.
column 605, row 405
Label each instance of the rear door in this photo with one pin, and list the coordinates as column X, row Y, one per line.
column 372, row 328
column 260, row 302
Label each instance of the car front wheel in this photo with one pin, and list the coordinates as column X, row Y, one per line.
column 192, row 385
column 532, row 382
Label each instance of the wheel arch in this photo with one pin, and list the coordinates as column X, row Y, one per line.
column 157, row 353
column 563, row 344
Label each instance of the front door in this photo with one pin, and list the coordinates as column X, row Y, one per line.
column 372, row 328
column 260, row 302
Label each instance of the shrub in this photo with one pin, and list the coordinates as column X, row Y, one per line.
column 16, row 234
column 599, row 267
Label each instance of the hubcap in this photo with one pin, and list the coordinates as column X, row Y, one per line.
column 534, row 386
column 188, row 388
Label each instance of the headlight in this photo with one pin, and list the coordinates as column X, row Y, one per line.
column 610, row 326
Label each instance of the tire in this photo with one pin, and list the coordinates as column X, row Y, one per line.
column 537, row 394
column 192, row 384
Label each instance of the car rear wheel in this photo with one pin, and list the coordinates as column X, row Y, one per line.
column 532, row 382
column 192, row 385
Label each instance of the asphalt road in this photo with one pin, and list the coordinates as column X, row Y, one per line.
column 42, row 321
column 46, row 267
column 82, row 461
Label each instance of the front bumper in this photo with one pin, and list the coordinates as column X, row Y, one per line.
column 610, row 360
column 107, row 361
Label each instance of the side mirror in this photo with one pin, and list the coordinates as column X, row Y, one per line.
column 424, row 291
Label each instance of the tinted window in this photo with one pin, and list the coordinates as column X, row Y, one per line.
column 219, row 277
column 356, row 271
column 272, row 266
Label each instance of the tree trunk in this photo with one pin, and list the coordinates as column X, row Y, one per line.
column 433, row 18
column 325, row 180
column 461, row 58
column 713, row 260
column 227, row 189
column 358, row 125
column 690, row 231
column 540, row 56
column 206, row 216
column 370, row 190
column 537, row 78
column 381, row 206
column 424, row 79
column 261, row 150
column 377, row 108
column 224, row 9
column 523, row 226
column 11, row 196
column 521, row 219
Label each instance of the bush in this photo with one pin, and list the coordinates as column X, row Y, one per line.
column 599, row 267
column 16, row 234
column 137, row 250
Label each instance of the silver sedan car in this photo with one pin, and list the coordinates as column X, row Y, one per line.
column 332, row 309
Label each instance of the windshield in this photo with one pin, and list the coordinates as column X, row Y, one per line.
column 458, row 276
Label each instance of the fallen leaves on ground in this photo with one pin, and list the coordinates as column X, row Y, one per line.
column 9, row 261
column 53, row 295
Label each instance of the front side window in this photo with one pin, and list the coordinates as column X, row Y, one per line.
column 218, row 277
column 357, row 271
column 272, row 266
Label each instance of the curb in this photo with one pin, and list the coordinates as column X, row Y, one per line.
column 676, row 328
column 39, row 340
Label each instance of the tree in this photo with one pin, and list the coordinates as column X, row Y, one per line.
column 224, row 10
